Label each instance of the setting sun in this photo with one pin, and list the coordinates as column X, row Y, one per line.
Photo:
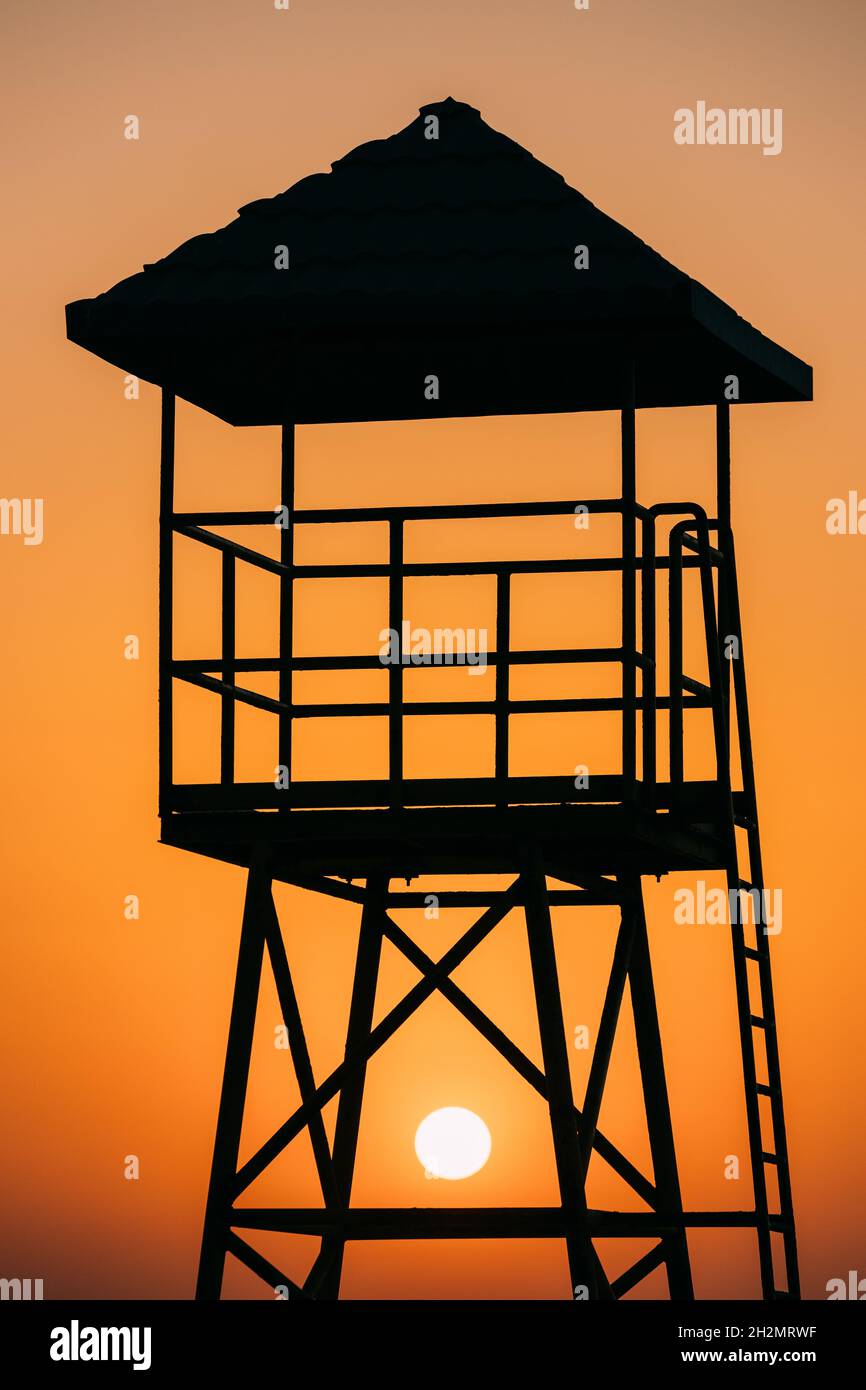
column 452, row 1143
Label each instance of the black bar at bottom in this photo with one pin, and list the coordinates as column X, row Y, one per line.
column 247, row 1338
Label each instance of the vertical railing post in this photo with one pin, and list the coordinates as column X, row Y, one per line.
column 227, row 711
column 675, row 658
column 395, row 670
column 717, row 674
column 166, row 566
column 629, row 603
column 503, row 645
column 287, row 557
column 648, row 646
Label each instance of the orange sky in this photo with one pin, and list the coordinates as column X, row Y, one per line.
column 113, row 1030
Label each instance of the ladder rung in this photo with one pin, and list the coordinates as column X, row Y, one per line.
column 757, row 1022
column 751, row 953
column 745, row 886
column 764, row 1090
column 770, row 1158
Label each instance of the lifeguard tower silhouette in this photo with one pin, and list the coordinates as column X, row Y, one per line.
column 449, row 244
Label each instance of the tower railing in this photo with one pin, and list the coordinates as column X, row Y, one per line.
column 688, row 547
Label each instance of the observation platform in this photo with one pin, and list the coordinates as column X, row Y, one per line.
column 316, row 832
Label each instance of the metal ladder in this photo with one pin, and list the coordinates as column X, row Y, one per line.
column 755, row 1006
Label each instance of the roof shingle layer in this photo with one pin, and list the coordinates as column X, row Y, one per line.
column 452, row 255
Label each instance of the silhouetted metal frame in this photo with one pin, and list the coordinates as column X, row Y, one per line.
column 689, row 547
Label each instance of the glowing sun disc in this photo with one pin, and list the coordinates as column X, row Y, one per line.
column 452, row 1143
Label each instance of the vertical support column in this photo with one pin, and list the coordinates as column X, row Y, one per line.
column 227, row 729
column 234, row 1087
column 675, row 663
column 723, row 516
column 723, row 467
column 503, row 645
column 287, row 557
column 655, row 1092
column 166, row 600
column 560, row 1097
column 629, row 599
column 395, row 670
column 352, row 1092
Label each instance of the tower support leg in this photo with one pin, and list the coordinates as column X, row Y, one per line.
column 327, row 1271
column 582, row 1262
column 234, row 1088
column 655, row 1091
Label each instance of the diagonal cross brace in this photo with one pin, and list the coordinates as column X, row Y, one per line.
column 299, row 1050
column 262, row 1267
column 525, row 1067
column 606, row 1032
column 379, row 1035
column 437, row 977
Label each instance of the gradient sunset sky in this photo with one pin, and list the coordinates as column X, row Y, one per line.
column 113, row 1031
